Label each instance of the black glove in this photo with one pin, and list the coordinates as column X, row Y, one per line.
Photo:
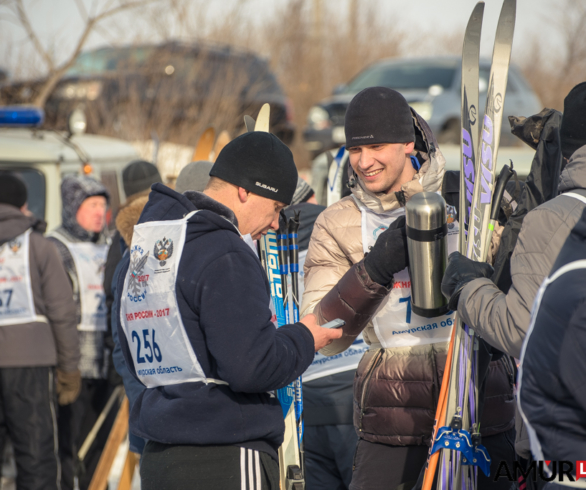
column 460, row 271
column 389, row 254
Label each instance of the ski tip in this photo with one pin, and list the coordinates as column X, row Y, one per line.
column 222, row 140
column 205, row 145
column 249, row 122
column 262, row 121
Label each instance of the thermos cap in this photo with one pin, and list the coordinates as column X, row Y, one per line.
column 426, row 211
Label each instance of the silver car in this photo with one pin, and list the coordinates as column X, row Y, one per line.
column 430, row 85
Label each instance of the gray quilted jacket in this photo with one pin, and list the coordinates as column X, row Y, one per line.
column 503, row 319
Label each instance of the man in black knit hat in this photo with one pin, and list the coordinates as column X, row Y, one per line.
column 196, row 328
column 356, row 270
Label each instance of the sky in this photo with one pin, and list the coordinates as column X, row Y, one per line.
column 58, row 21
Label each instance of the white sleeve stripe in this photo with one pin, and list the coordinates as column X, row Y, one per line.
column 242, row 468
column 257, row 465
column 250, row 471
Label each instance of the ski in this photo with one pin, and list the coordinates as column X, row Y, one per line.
column 290, row 465
column 222, row 140
column 469, row 117
column 205, row 145
column 491, row 133
column 457, row 431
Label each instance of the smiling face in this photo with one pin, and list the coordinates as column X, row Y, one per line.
column 383, row 167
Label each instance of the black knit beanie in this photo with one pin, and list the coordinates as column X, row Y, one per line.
column 378, row 115
column 260, row 163
column 12, row 190
column 138, row 176
column 573, row 128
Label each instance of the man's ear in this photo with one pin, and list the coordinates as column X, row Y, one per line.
column 243, row 195
column 409, row 147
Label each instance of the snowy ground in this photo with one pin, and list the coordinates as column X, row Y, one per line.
column 9, row 470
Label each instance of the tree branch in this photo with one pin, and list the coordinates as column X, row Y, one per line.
column 24, row 20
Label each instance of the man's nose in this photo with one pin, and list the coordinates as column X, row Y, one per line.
column 275, row 223
column 366, row 159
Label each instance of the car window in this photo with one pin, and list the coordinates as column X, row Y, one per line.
column 36, row 189
column 483, row 78
column 109, row 60
column 404, row 76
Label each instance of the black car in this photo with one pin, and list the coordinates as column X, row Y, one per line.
column 169, row 88
column 430, row 85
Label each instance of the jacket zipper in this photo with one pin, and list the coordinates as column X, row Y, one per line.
column 375, row 363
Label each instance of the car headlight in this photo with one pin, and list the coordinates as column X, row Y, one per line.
column 80, row 90
column 424, row 109
column 318, row 118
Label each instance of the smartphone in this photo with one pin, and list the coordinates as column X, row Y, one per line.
column 337, row 323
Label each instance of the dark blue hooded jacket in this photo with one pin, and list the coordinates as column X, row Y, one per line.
column 552, row 392
column 223, row 296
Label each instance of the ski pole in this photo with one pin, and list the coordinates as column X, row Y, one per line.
column 283, row 247
column 440, row 415
column 294, row 267
column 501, row 183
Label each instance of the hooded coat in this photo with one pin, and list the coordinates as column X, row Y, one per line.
column 223, row 298
column 553, row 371
column 74, row 190
column 395, row 389
column 39, row 343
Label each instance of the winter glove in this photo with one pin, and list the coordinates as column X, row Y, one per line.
column 68, row 386
column 460, row 271
column 389, row 254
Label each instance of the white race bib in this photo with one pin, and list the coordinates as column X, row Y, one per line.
column 90, row 260
column 16, row 295
column 328, row 365
column 149, row 313
column 395, row 324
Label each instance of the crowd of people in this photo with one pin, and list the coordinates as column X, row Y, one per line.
column 175, row 305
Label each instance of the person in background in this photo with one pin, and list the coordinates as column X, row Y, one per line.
column 194, row 177
column 83, row 245
column 137, row 178
column 39, row 346
column 330, row 438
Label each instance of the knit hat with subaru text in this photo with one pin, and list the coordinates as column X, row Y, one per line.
column 378, row 115
column 260, row 163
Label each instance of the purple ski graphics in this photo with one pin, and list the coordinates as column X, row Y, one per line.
column 490, row 134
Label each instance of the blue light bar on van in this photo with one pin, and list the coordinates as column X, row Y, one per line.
column 21, row 116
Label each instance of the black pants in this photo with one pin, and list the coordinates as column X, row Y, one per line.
column 75, row 422
column 28, row 419
column 168, row 467
column 329, row 454
column 379, row 466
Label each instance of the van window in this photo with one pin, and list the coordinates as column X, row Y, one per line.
column 36, row 189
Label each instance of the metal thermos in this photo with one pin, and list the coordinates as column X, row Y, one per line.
column 427, row 242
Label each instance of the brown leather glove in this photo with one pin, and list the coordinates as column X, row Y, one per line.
column 68, row 386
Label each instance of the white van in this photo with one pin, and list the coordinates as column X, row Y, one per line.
column 43, row 158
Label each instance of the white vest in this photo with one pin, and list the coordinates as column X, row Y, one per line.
column 149, row 313
column 16, row 294
column 395, row 324
column 90, row 262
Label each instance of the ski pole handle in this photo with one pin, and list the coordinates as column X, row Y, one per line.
column 501, row 183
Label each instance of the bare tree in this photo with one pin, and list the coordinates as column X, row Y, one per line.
column 91, row 21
